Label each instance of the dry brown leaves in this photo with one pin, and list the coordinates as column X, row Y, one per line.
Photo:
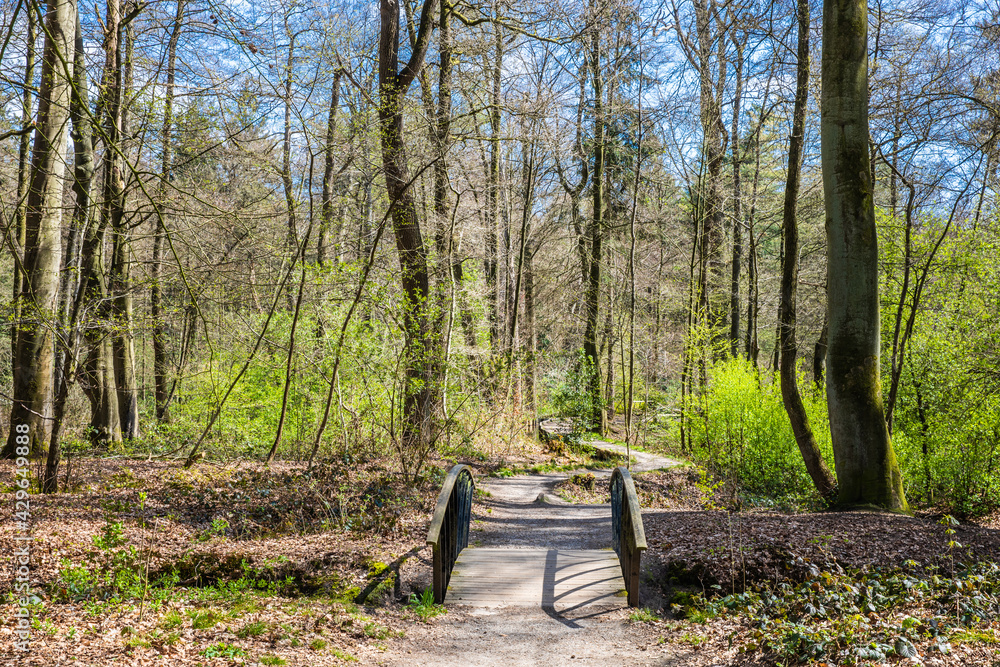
column 324, row 530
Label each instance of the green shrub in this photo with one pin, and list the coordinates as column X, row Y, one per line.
column 738, row 429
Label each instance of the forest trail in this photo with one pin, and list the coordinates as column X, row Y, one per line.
column 566, row 605
column 644, row 461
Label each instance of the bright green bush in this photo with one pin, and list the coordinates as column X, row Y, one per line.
column 946, row 424
column 738, row 429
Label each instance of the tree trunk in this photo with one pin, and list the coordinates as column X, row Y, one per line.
column 528, row 197
column 444, row 240
column 33, row 361
column 420, row 387
column 23, row 173
column 813, row 458
column 593, row 288
column 819, row 354
column 160, row 370
column 752, row 347
column 83, row 174
column 867, row 471
column 609, row 375
column 292, row 238
column 734, row 281
column 530, row 338
column 326, row 210
column 712, row 154
column 493, row 192
column 575, row 191
column 117, row 66
column 96, row 375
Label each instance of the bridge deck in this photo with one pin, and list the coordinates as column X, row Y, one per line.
column 562, row 579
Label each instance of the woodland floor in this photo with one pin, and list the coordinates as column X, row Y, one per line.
column 268, row 561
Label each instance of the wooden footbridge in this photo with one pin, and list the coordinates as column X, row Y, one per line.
column 550, row 576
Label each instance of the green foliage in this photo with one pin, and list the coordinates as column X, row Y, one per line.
column 112, row 575
column 346, row 657
column 946, row 427
column 569, row 394
column 255, row 629
column 204, row 619
column 584, row 480
column 424, row 606
column 643, row 615
column 217, row 529
column 172, row 619
column 739, row 431
column 223, row 650
column 849, row 618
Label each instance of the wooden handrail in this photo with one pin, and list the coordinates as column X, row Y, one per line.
column 627, row 534
column 448, row 533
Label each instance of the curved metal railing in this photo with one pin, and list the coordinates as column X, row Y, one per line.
column 628, row 536
column 449, row 530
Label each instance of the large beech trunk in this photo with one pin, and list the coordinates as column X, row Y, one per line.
column 867, row 471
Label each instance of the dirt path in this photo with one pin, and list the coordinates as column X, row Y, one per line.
column 644, row 461
column 516, row 636
column 519, row 513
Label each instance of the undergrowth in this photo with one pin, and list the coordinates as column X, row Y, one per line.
column 853, row 618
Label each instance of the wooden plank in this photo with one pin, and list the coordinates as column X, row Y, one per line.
column 560, row 578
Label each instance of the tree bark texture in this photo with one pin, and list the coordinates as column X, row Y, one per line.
column 867, row 471
column 33, row 361
column 84, row 167
column 114, row 90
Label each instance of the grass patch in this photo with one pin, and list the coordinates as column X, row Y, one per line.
column 346, row 657
column 205, row 619
column 255, row 629
column 643, row 615
column 424, row 606
column 172, row 619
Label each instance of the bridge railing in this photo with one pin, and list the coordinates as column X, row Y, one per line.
column 628, row 536
column 449, row 530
